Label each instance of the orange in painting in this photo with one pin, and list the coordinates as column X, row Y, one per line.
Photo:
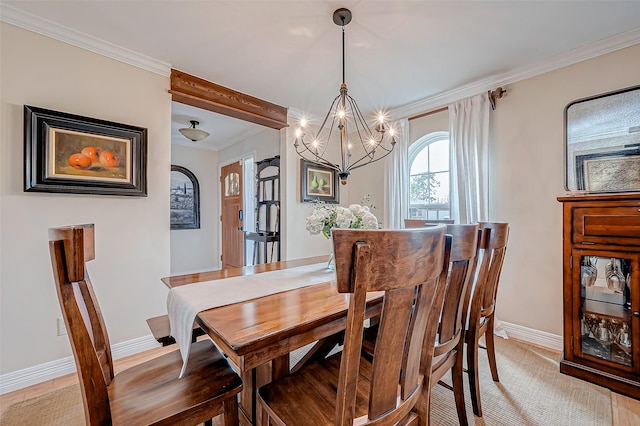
column 109, row 159
column 80, row 161
column 92, row 152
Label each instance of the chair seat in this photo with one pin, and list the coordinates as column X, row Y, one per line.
column 152, row 394
column 315, row 388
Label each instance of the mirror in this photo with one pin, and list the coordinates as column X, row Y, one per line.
column 602, row 142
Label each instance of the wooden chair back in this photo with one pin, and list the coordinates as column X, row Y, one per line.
column 421, row 223
column 407, row 266
column 492, row 248
column 462, row 267
column 71, row 247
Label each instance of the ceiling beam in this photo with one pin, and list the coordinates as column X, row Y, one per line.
column 194, row 91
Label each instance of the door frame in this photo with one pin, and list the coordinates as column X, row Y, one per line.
column 241, row 158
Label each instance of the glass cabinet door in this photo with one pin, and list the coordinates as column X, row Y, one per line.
column 605, row 306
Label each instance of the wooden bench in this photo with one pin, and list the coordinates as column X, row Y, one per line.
column 161, row 330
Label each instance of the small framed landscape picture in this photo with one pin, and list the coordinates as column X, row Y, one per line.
column 185, row 199
column 318, row 183
column 81, row 155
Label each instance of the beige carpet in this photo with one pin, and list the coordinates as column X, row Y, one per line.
column 531, row 392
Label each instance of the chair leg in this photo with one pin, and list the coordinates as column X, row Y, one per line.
column 472, row 369
column 423, row 405
column 264, row 419
column 230, row 411
column 458, row 386
column 491, row 349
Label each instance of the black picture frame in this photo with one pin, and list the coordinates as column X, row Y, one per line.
column 318, row 183
column 613, row 171
column 185, row 199
column 601, row 133
column 73, row 154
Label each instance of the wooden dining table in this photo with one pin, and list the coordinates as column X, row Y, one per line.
column 258, row 335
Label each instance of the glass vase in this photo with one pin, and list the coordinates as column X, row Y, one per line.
column 331, row 264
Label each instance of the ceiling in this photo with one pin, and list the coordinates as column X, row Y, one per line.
column 399, row 53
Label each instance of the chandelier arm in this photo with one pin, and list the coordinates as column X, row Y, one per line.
column 317, row 160
column 354, row 166
column 326, row 117
column 358, row 114
column 359, row 119
column 370, row 156
column 313, row 157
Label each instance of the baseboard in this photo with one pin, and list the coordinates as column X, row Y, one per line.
column 530, row 335
column 41, row 373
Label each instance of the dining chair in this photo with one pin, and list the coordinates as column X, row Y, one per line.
column 449, row 343
column 492, row 246
column 346, row 388
column 421, row 223
column 449, row 340
column 149, row 393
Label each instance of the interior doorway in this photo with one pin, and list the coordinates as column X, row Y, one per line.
column 232, row 215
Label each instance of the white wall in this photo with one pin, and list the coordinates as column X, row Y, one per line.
column 438, row 122
column 527, row 169
column 132, row 233
column 264, row 144
column 196, row 250
column 297, row 243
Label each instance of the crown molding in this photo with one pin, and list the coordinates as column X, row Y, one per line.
column 48, row 28
column 67, row 35
column 620, row 41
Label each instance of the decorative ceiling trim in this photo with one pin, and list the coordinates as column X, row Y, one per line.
column 200, row 93
column 56, row 31
column 70, row 36
column 611, row 44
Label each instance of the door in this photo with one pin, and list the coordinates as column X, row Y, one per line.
column 232, row 216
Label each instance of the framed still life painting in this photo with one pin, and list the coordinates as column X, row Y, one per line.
column 318, row 183
column 81, row 155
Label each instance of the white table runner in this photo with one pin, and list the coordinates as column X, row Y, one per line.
column 184, row 302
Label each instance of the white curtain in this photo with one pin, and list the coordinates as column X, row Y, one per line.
column 396, row 180
column 469, row 144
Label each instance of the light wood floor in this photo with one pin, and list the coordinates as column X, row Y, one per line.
column 625, row 411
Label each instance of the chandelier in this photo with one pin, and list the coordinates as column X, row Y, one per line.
column 344, row 116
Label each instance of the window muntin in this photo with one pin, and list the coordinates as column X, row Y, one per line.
column 429, row 179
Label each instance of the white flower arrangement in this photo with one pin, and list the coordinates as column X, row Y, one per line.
column 325, row 217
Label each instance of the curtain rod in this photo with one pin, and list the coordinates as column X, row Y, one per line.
column 424, row 114
column 493, row 95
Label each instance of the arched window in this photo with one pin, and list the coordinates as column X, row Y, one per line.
column 429, row 177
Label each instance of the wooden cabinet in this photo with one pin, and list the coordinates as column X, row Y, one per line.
column 601, row 249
